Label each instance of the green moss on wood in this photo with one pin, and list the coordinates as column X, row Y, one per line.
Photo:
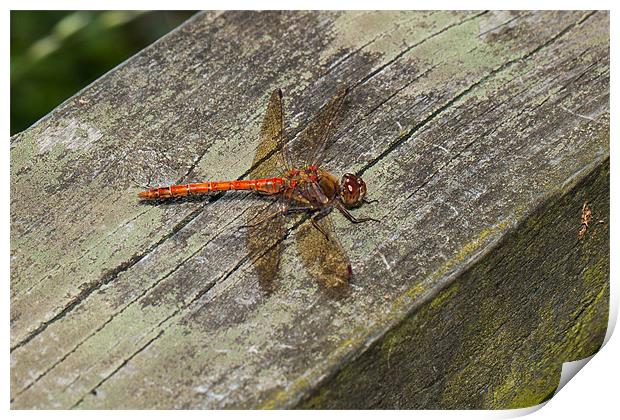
column 462, row 122
column 500, row 332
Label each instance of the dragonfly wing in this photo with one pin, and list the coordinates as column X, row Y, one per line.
column 266, row 232
column 309, row 147
column 324, row 258
column 272, row 138
column 266, row 227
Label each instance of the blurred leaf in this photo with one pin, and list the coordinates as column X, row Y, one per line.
column 56, row 53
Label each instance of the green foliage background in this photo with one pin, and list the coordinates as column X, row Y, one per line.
column 54, row 54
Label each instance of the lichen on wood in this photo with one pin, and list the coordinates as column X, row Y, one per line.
column 481, row 134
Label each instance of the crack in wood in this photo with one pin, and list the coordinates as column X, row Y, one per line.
column 463, row 93
column 132, row 261
column 141, row 295
column 456, row 156
column 508, row 22
column 92, row 287
column 119, row 367
column 159, row 281
column 401, row 54
column 79, row 258
column 201, row 293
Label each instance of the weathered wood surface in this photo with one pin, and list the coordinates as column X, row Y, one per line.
column 481, row 133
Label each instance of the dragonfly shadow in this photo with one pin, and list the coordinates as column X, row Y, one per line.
column 171, row 201
column 338, row 293
column 322, row 254
column 303, row 186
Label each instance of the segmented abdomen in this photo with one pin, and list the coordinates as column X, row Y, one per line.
column 265, row 185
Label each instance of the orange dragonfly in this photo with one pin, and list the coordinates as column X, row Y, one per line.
column 304, row 187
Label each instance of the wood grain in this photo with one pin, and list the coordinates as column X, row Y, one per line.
column 463, row 124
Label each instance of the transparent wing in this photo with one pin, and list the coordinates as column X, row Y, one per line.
column 271, row 138
column 265, row 236
column 325, row 259
column 309, row 148
column 266, row 225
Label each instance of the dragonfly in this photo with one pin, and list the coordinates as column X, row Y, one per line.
column 302, row 187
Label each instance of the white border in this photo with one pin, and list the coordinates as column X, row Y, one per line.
column 592, row 394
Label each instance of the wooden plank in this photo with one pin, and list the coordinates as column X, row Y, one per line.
column 497, row 335
column 461, row 123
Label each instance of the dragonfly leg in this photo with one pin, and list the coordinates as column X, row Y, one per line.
column 315, row 221
column 352, row 218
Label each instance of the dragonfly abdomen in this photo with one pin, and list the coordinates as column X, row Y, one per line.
column 264, row 185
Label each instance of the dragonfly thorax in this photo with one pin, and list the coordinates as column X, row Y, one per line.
column 311, row 186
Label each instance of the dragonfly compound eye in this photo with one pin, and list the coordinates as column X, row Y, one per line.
column 352, row 190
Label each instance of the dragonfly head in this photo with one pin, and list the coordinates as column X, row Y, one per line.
column 352, row 190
